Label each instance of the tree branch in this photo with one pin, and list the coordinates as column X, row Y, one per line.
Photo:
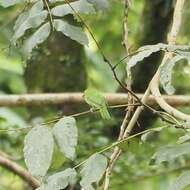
column 155, row 81
column 173, row 35
column 20, row 171
column 77, row 98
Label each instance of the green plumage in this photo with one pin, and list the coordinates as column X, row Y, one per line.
column 97, row 100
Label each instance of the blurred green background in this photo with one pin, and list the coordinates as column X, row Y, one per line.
column 149, row 21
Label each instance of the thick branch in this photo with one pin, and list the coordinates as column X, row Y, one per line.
column 77, row 98
column 155, row 81
column 20, row 171
column 173, row 34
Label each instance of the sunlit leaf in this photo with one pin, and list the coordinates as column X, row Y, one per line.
column 170, row 152
column 38, row 150
column 166, row 74
column 93, row 171
column 80, row 6
column 146, row 51
column 66, row 134
column 60, row 180
column 184, row 138
column 37, row 38
column 74, row 32
column 7, row 3
column 143, row 53
column 29, row 19
column 181, row 182
column 100, row 4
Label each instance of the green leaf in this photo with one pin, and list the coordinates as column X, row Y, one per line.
column 93, row 170
column 166, row 74
column 74, row 32
column 181, row 182
column 185, row 54
column 37, row 38
column 171, row 152
column 144, row 52
column 97, row 100
column 29, row 19
column 38, row 150
column 184, row 138
column 81, row 6
column 100, row 4
column 8, row 3
column 66, row 135
column 58, row 159
column 60, row 180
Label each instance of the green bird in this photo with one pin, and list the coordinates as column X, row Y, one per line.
column 97, row 100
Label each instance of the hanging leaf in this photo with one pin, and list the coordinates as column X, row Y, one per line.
column 141, row 55
column 59, row 180
column 38, row 150
column 80, row 6
column 146, row 51
column 184, row 138
column 166, row 74
column 29, row 19
column 181, row 182
column 74, row 32
column 170, row 152
column 100, row 4
column 37, row 38
column 66, row 134
column 8, row 3
column 93, row 170
column 97, row 100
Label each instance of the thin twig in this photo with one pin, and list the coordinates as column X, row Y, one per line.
column 49, row 14
column 56, row 119
column 135, row 179
column 117, row 151
column 124, row 140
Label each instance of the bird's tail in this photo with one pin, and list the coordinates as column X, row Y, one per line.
column 105, row 113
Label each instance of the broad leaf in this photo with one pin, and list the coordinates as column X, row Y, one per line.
column 146, row 51
column 184, row 138
column 60, row 180
column 29, row 19
column 97, row 100
column 181, row 182
column 8, row 3
column 170, row 152
column 100, row 4
column 93, row 170
column 143, row 53
column 66, row 134
column 37, row 38
column 74, row 32
column 38, row 150
column 150, row 136
column 80, row 6
column 166, row 74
